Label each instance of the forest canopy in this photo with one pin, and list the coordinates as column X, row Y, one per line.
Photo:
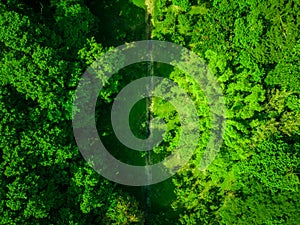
column 253, row 49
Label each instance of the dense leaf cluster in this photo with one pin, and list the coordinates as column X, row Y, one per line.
column 251, row 46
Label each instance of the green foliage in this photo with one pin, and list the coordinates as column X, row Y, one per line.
column 44, row 180
column 183, row 4
column 124, row 211
column 139, row 3
column 252, row 48
column 266, row 186
column 119, row 21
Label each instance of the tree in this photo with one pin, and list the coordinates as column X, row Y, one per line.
column 44, row 180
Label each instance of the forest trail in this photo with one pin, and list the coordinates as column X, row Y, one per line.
column 150, row 72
